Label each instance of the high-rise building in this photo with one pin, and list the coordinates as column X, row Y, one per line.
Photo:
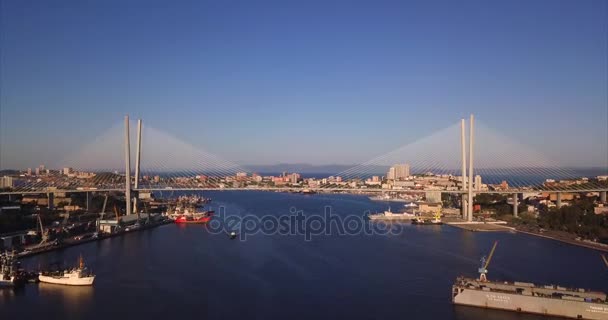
column 29, row 171
column 37, row 171
column 477, row 182
column 402, row 171
column 294, row 177
column 6, row 182
column 398, row 172
column 67, row 171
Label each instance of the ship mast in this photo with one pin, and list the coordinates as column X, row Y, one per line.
column 485, row 263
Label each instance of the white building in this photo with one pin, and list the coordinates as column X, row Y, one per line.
column 402, row 171
column 478, row 182
column 398, row 172
column 6, row 182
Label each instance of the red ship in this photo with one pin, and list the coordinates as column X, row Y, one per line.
column 202, row 217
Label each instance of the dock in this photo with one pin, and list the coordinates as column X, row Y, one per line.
column 31, row 251
column 480, row 226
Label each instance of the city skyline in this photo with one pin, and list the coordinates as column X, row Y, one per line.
column 262, row 85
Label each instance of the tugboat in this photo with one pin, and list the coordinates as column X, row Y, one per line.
column 80, row 276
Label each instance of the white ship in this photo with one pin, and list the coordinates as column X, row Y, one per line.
column 80, row 276
column 389, row 215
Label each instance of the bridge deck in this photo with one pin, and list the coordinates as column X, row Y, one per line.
column 350, row 190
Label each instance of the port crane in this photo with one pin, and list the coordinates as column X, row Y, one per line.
column 103, row 209
column 44, row 234
column 485, row 263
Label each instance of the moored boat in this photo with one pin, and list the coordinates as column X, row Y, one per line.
column 190, row 215
column 548, row 300
column 79, row 276
column 194, row 218
column 389, row 215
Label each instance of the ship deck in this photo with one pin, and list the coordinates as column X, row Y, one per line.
column 532, row 290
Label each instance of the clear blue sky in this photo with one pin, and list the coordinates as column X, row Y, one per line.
column 262, row 82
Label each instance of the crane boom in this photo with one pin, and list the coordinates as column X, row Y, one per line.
column 105, row 201
column 117, row 215
column 490, row 256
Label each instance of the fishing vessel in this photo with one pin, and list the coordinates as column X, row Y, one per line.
column 527, row 297
column 79, row 276
column 194, row 217
column 190, row 215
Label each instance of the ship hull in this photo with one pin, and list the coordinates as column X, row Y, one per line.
column 529, row 304
column 199, row 221
column 85, row 281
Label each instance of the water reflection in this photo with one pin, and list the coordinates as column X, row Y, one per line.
column 75, row 299
column 6, row 294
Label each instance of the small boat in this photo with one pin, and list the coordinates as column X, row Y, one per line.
column 232, row 235
column 80, row 276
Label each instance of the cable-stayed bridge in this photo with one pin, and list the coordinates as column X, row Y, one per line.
column 455, row 159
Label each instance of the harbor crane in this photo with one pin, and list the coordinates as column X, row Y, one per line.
column 103, row 209
column 485, row 263
column 44, row 234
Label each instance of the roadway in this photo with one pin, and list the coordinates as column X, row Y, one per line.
column 350, row 190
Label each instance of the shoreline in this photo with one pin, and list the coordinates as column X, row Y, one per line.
column 505, row 227
column 37, row 251
column 587, row 245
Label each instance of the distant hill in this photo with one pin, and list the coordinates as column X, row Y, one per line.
column 305, row 168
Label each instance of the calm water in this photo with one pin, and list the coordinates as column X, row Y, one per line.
column 185, row 272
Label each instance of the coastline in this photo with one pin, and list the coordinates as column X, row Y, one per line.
column 588, row 245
